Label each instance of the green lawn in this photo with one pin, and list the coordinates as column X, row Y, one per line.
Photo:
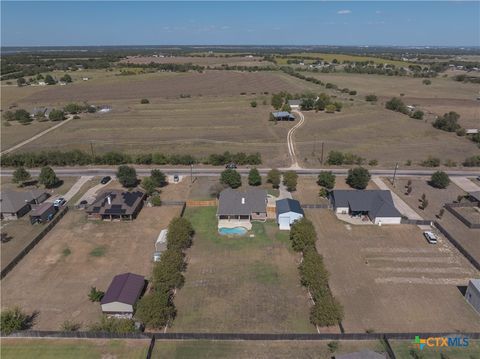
column 405, row 350
column 73, row 349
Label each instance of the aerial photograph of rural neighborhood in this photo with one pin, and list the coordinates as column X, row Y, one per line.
column 240, row 179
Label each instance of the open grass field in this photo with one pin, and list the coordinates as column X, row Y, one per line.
column 240, row 284
column 403, row 350
column 77, row 254
column 257, row 349
column 373, row 132
column 343, row 57
column 390, row 279
column 73, row 348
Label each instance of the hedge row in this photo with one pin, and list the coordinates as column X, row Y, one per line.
column 81, row 158
column 326, row 311
column 156, row 309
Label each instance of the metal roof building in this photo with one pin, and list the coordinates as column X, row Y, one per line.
column 122, row 294
column 288, row 211
column 283, row 116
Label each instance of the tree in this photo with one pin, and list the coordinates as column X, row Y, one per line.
column 395, row 104
column 277, row 101
column 440, row 180
column 23, row 116
column 253, row 104
column 423, row 202
column 148, row 184
column 440, row 213
column 307, row 104
column 12, row 320
column 66, row 78
column 326, row 179
column 21, row 81
column 338, row 106
column 48, row 177
column 358, row 178
column 127, row 176
column 95, row 295
column 273, row 177
column 159, row 178
column 290, row 180
column 49, row 80
column 326, row 312
column 73, row 108
column 20, row 175
column 447, row 122
column 231, row 178
column 254, row 178
column 156, row 309
column 56, row 115
column 144, row 101
column 418, row 115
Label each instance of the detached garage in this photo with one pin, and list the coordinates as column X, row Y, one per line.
column 288, row 211
column 122, row 294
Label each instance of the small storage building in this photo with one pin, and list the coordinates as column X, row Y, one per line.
column 43, row 212
column 472, row 295
column 288, row 211
column 122, row 294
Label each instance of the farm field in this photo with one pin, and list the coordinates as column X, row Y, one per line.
column 76, row 255
column 73, row 348
column 197, row 60
column 240, row 284
column 343, row 57
column 388, row 277
column 373, row 132
column 257, row 349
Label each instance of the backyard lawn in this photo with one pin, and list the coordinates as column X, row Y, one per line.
column 240, row 284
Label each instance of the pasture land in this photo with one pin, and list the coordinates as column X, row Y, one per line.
column 388, row 277
column 403, row 349
column 243, row 284
column 74, row 348
column 197, row 60
column 57, row 274
column 245, row 349
column 343, row 57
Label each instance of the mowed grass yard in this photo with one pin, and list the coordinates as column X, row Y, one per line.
column 245, row 349
column 390, row 279
column 240, row 284
column 403, row 349
column 73, row 348
column 55, row 277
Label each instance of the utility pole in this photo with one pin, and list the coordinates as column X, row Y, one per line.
column 191, row 172
column 91, row 149
column 394, row 174
column 321, row 162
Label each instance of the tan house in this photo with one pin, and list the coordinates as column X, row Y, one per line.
column 15, row 204
column 239, row 208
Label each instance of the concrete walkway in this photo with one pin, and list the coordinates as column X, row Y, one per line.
column 400, row 204
column 465, row 184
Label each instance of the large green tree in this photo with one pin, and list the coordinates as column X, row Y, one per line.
column 290, row 180
column 56, row 115
column 358, row 178
column 254, row 178
column 158, row 178
column 156, row 309
column 49, row 80
column 274, row 177
column 440, row 179
column 20, row 176
column 127, row 176
column 326, row 179
column 231, row 178
column 48, row 177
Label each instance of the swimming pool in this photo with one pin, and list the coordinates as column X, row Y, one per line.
column 238, row 231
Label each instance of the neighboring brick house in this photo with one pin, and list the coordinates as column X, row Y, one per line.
column 15, row 204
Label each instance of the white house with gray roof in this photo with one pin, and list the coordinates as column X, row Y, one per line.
column 238, row 208
column 377, row 205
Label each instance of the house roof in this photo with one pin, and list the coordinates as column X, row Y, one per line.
column 476, row 284
column 121, row 202
column 288, row 205
column 364, row 354
column 125, row 288
column 475, row 195
column 282, row 114
column 233, row 202
column 294, row 102
column 13, row 201
column 378, row 203
column 41, row 209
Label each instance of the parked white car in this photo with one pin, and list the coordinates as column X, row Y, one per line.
column 59, row 202
column 431, row 237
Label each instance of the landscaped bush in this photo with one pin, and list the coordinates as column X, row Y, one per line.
column 440, row 180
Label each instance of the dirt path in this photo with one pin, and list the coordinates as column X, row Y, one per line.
column 37, row 136
column 290, row 141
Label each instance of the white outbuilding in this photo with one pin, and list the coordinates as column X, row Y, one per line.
column 288, row 211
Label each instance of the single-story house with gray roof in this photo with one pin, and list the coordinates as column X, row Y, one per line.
column 238, row 208
column 15, row 204
column 288, row 211
column 283, row 116
column 377, row 205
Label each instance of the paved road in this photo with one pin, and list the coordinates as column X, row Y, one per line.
column 400, row 204
column 291, row 142
column 215, row 171
column 38, row 135
column 466, row 184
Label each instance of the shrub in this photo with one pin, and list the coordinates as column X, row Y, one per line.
column 440, row 180
column 156, row 201
column 253, row 104
column 127, row 176
column 418, row 115
column 371, row 98
column 373, row 163
column 395, row 104
column 114, row 325
column 290, row 180
column 352, row 93
column 335, row 158
column 144, row 101
column 358, row 178
column 70, row 326
column 461, row 132
column 12, row 320
column 254, row 178
column 330, row 108
column 473, row 161
column 56, row 115
column 73, row 108
column 273, row 177
column 326, row 179
column 431, row 162
column 427, row 82
column 323, row 192
column 95, row 295
column 156, row 309
column 231, row 178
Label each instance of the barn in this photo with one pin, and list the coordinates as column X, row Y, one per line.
column 288, row 211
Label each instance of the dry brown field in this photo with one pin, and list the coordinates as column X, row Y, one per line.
column 390, row 279
column 196, row 60
column 57, row 274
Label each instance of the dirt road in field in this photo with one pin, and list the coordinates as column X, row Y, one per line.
column 290, row 140
column 37, row 136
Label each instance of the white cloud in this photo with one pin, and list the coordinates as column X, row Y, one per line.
column 343, row 12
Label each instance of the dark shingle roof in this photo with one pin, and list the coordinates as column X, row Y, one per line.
column 121, row 202
column 288, row 205
column 475, row 195
column 378, row 203
column 41, row 209
column 13, row 201
column 125, row 288
column 230, row 202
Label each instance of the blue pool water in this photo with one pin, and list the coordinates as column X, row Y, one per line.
column 239, row 231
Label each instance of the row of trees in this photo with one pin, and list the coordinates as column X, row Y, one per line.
column 24, row 117
column 81, row 158
column 231, row 178
column 326, row 311
column 397, row 105
column 337, row 158
column 47, row 177
column 156, row 309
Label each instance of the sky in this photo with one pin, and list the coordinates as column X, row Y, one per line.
column 397, row 23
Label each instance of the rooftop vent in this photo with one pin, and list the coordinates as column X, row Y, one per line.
column 243, row 200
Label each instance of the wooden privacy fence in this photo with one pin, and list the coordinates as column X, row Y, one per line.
column 33, row 243
column 205, row 203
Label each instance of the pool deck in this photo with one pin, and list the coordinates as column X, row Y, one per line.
column 232, row 223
